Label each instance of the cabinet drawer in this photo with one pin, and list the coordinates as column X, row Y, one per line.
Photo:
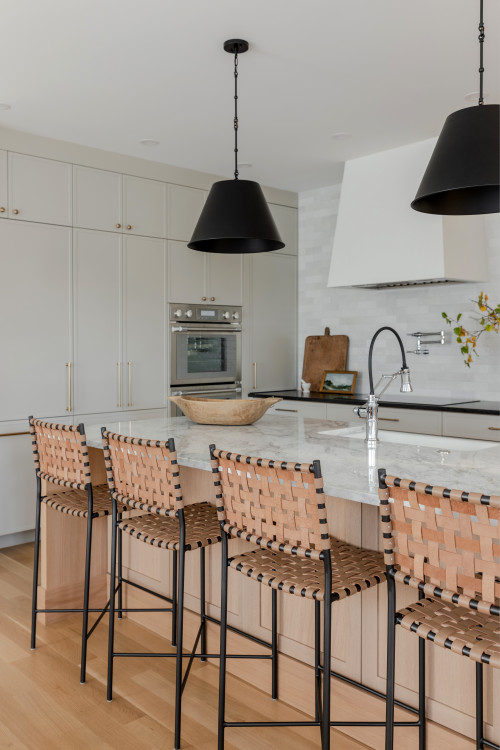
column 313, row 411
column 410, row 420
column 479, row 426
column 342, row 413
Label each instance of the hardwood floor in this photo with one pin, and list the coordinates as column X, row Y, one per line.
column 43, row 705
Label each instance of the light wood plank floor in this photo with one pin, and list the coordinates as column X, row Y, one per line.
column 43, row 705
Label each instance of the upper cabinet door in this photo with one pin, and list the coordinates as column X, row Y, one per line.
column 97, row 313
column 39, row 190
column 225, row 277
column 286, row 219
column 144, row 207
column 145, row 315
column 184, row 208
column 186, row 274
column 97, row 199
column 3, row 185
column 35, row 310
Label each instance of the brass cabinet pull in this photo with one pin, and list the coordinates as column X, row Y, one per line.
column 129, row 226
column 119, row 366
column 203, row 299
column 129, row 383
column 118, row 226
column 255, row 374
column 388, row 419
column 2, row 211
column 69, row 406
column 493, row 428
column 212, row 299
column 15, row 211
column 12, row 434
column 294, row 410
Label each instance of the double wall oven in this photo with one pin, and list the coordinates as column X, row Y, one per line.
column 205, row 351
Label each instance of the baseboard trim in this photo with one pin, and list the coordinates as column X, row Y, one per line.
column 20, row 537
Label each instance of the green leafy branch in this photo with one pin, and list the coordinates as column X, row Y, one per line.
column 489, row 320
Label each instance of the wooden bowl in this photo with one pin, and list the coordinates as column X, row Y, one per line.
column 229, row 411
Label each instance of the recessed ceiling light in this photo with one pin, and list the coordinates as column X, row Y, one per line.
column 4, row 106
column 473, row 96
column 341, row 136
column 149, row 142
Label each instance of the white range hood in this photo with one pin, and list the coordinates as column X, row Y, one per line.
column 380, row 241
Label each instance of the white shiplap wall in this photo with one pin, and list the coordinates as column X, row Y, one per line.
column 359, row 312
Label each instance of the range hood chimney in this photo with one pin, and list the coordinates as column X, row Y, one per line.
column 381, row 242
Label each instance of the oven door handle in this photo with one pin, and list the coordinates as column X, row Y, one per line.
column 205, row 392
column 206, row 329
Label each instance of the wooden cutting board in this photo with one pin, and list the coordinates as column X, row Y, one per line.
column 323, row 353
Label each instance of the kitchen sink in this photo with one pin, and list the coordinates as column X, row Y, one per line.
column 410, row 438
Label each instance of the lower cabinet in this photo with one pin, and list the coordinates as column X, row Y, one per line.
column 479, row 426
column 311, row 411
column 421, row 421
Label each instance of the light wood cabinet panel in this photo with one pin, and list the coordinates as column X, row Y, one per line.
column 286, row 219
column 97, row 199
column 97, row 316
column 186, row 273
column 145, row 315
column 224, row 279
column 144, row 207
column 35, row 307
column 184, row 208
column 478, row 426
column 272, row 311
column 40, row 190
column 4, row 213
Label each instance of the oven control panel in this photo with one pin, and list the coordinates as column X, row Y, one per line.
column 183, row 313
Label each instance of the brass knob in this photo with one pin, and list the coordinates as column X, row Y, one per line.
column 212, row 299
column 118, row 226
column 129, row 226
column 15, row 211
column 2, row 210
column 203, row 299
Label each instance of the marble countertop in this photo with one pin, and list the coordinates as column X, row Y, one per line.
column 348, row 470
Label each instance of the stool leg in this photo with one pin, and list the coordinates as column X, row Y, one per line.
column 120, row 570
column 479, row 706
column 274, row 645
column 317, row 660
column 327, row 650
column 86, row 594
column 35, row 565
column 223, row 643
column 391, row 643
column 203, row 644
column 112, row 578
column 180, row 622
column 421, row 689
column 174, row 599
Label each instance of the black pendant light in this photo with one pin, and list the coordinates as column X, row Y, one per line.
column 236, row 217
column 463, row 175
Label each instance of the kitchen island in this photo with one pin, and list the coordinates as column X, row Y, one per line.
column 358, row 645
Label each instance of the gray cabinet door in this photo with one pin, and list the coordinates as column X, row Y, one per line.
column 40, row 190
column 186, row 274
column 97, row 199
column 144, row 207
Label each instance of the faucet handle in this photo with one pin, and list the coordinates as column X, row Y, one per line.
column 361, row 411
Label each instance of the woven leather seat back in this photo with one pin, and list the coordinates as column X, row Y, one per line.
column 445, row 538
column 60, row 453
column 143, row 473
column 275, row 504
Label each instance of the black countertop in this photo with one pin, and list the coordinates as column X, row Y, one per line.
column 402, row 401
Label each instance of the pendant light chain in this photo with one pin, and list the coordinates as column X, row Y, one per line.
column 236, row 173
column 481, row 43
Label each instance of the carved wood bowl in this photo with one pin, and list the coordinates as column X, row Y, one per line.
column 226, row 411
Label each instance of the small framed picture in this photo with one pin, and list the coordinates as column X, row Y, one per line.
column 338, row 382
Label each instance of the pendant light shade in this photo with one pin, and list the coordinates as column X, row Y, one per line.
column 463, row 175
column 236, row 217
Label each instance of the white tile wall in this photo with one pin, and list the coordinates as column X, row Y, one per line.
column 360, row 312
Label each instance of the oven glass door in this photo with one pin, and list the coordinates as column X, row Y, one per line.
column 205, row 357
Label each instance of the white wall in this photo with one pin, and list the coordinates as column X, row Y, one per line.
column 359, row 312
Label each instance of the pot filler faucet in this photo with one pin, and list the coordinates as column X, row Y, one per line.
column 370, row 410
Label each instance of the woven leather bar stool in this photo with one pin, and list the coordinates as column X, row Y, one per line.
column 144, row 475
column 279, row 506
column 446, row 545
column 61, row 457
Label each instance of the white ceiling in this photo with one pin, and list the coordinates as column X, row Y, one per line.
column 107, row 73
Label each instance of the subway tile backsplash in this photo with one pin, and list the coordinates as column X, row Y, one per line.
column 359, row 312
